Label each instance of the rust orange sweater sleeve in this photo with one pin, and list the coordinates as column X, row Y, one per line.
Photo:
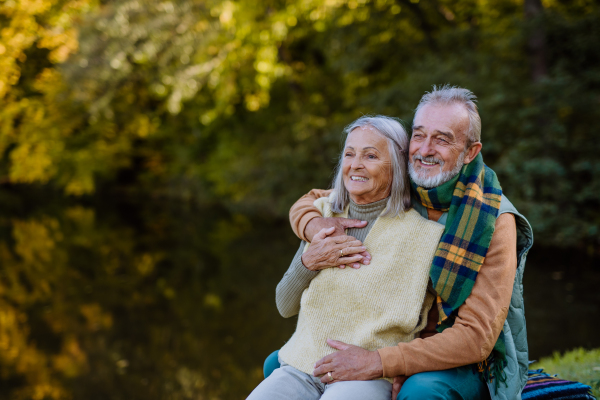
column 480, row 319
column 303, row 211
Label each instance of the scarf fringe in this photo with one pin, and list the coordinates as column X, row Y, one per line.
column 491, row 370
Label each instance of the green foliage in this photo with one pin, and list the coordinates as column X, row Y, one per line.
column 577, row 365
column 132, row 299
column 244, row 102
column 241, row 103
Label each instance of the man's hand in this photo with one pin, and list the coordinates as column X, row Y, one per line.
column 351, row 363
column 397, row 385
column 315, row 225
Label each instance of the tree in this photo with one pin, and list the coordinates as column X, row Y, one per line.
column 244, row 103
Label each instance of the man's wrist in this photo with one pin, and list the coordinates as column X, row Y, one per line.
column 311, row 228
column 392, row 361
column 377, row 365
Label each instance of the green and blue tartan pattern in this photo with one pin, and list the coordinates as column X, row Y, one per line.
column 472, row 199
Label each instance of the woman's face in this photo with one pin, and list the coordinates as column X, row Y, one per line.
column 366, row 166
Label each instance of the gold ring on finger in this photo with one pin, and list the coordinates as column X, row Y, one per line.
column 330, row 377
column 341, row 253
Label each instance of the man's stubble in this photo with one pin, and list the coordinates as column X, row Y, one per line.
column 429, row 182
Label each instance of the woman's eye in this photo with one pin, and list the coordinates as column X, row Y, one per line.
column 372, row 156
column 348, row 155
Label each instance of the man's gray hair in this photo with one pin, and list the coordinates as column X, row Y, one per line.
column 397, row 140
column 447, row 94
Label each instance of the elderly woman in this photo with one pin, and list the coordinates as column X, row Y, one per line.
column 375, row 306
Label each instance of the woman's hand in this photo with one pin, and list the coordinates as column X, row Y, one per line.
column 328, row 251
column 340, row 225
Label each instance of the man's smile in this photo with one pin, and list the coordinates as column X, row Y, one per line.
column 427, row 164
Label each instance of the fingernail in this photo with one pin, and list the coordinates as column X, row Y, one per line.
column 364, row 222
column 342, row 266
column 363, row 248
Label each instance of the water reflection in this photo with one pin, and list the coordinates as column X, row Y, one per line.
column 562, row 300
column 149, row 299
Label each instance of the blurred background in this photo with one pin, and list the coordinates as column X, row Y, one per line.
column 150, row 151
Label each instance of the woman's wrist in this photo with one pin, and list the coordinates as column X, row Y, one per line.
column 306, row 262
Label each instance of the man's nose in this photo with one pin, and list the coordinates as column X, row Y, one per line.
column 426, row 148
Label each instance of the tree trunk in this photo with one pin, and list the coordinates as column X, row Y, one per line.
column 537, row 39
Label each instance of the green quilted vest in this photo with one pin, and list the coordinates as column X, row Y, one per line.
column 515, row 331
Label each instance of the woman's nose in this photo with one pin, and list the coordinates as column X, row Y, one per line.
column 357, row 164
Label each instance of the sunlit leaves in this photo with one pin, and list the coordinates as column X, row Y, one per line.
column 219, row 98
column 44, row 23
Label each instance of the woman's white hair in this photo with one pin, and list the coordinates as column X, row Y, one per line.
column 397, row 139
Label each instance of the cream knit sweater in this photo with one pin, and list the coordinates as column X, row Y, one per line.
column 376, row 306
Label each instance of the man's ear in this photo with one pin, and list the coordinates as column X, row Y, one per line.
column 472, row 152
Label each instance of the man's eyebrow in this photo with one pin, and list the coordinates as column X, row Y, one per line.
column 447, row 134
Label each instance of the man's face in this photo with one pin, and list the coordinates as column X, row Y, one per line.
column 438, row 146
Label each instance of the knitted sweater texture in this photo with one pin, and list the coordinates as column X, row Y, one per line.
column 298, row 277
column 376, row 306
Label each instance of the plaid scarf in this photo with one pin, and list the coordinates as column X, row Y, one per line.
column 472, row 199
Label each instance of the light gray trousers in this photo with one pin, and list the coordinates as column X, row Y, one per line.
column 289, row 383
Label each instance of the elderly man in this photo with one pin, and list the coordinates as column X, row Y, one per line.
column 475, row 343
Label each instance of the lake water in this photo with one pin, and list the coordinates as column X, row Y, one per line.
column 149, row 299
